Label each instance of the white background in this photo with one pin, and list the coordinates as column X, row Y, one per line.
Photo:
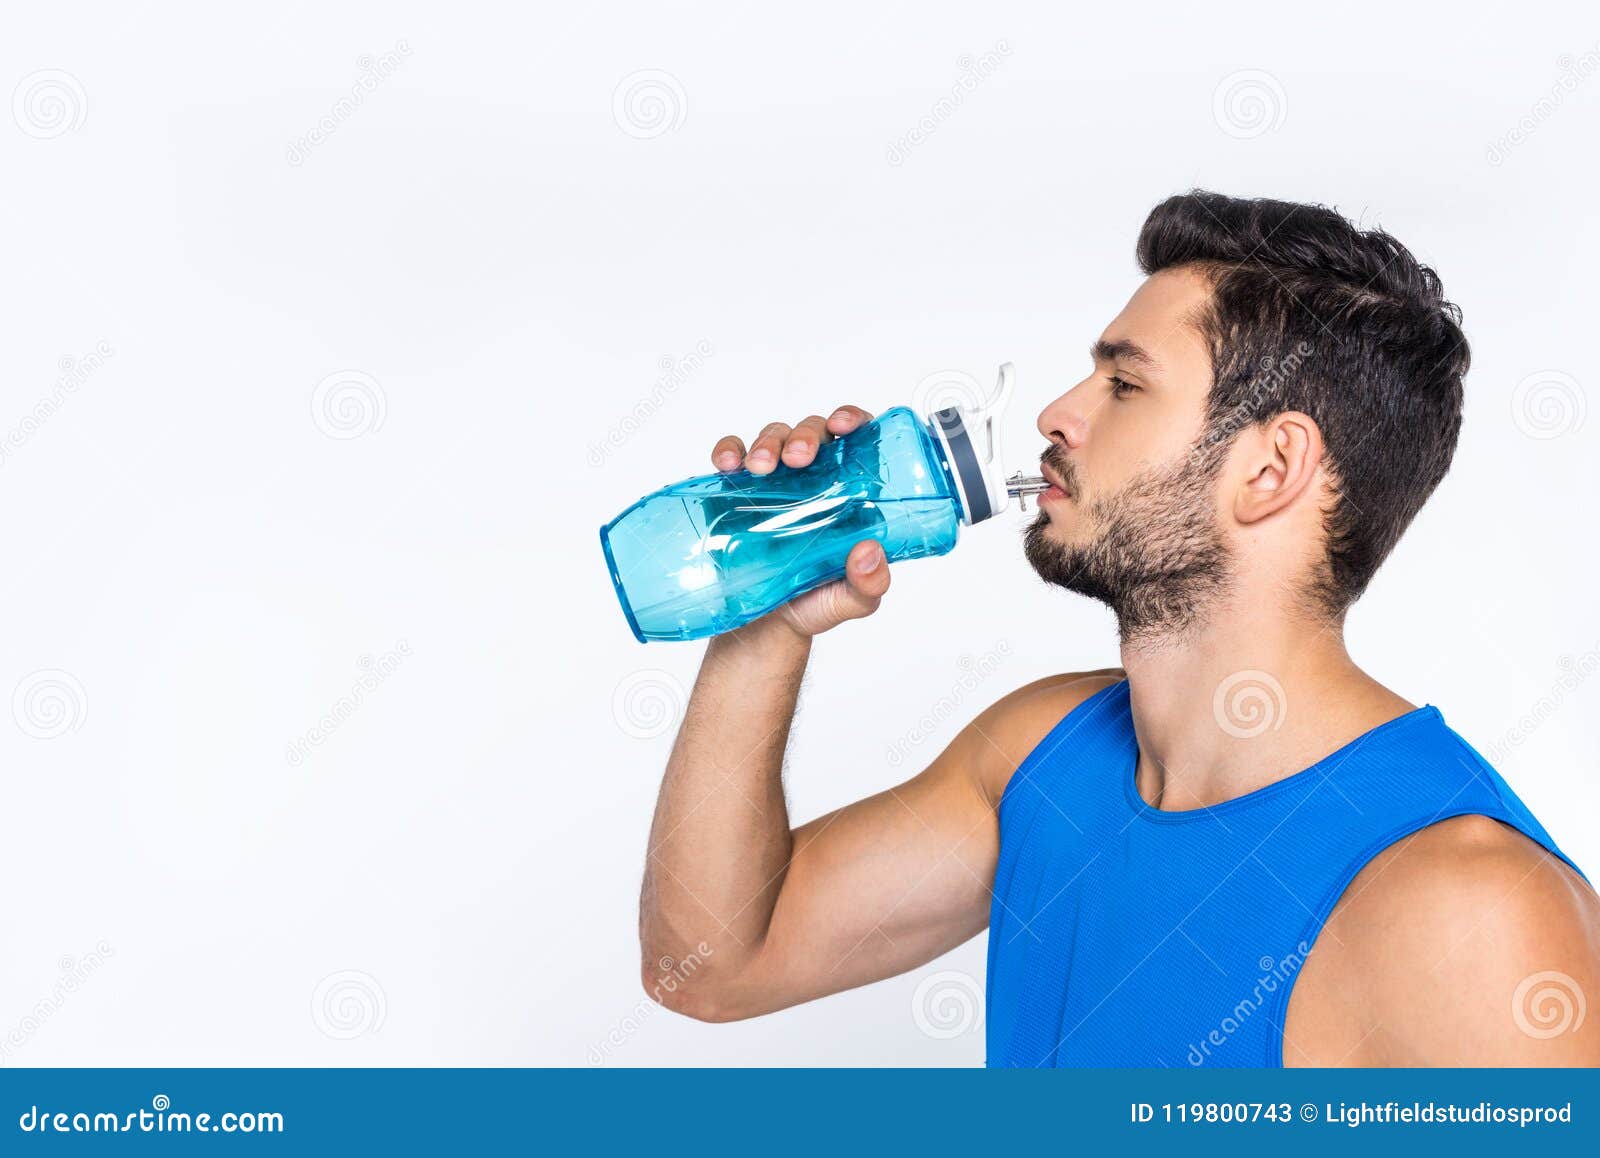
column 509, row 257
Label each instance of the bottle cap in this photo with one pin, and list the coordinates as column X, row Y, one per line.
column 969, row 436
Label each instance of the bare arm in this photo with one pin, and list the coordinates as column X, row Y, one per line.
column 771, row 916
column 778, row 916
column 1464, row 945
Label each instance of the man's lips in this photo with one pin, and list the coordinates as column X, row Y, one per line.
column 1058, row 489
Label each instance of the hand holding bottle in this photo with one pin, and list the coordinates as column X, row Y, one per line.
column 807, row 521
column 866, row 579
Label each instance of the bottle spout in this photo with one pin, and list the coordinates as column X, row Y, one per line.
column 1019, row 486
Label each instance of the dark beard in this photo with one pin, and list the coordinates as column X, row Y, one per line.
column 1157, row 559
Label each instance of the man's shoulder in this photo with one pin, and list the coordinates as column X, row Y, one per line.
column 1467, row 875
column 1012, row 726
column 1464, row 943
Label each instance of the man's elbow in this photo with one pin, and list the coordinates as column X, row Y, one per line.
column 700, row 995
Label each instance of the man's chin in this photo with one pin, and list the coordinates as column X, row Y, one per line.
column 1060, row 525
column 1057, row 553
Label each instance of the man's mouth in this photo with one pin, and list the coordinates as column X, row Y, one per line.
column 1058, row 490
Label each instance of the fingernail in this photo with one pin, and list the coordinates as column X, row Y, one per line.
column 798, row 446
column 840, row 413
column 870, row 563
column 727, row 460
column 761, row 457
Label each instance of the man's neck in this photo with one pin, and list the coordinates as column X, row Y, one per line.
column 1244, row 700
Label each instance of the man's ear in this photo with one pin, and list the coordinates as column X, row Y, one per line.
column 1282, row 457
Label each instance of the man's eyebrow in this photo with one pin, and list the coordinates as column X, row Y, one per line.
column 1125, row 350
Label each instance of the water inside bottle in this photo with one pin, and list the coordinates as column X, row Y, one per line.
column 754, row 548
column 710, row 553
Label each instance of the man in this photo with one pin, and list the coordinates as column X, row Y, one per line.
column 1236, row 849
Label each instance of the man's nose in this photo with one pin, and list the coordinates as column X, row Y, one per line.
column 1064, row 421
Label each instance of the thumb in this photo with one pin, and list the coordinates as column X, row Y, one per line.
column 866, row 573
column 855, row 596
column 866, row 578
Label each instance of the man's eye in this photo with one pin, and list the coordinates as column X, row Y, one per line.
column 1120, row 388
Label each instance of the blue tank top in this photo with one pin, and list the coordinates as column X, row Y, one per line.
column 1121, row 935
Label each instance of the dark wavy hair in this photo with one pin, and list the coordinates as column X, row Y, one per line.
column 1310, row 313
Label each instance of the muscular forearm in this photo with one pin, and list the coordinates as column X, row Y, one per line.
column 720, row 842
column 721, row 851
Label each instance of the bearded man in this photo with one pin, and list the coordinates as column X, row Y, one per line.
column 1164, row 879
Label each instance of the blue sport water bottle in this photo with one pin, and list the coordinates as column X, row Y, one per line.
column 710, row 554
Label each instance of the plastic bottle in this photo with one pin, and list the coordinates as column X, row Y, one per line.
column 710, row 554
